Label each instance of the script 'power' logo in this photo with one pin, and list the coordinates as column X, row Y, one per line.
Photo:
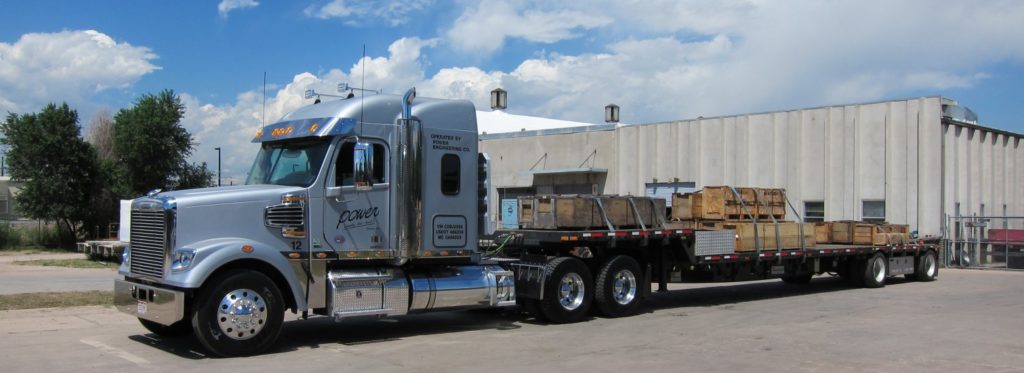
column 357, row 217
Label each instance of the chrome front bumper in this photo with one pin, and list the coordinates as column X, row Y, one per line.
column 162, row 306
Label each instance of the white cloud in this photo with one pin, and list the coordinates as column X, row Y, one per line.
column 392, row 12
column 226, row 6
column 67, row 66
column 232, row 126
column 485, row 27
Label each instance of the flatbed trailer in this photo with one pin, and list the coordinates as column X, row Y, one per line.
column 621, row 265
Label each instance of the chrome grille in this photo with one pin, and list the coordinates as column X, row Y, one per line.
column 288, row 215
column 148, row 242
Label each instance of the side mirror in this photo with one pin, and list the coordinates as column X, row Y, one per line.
column 362, row 166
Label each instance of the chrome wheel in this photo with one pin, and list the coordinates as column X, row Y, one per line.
column 929, row 263
column 878, row 269
column 241, row 314
column 571, row 291
column 624, row 287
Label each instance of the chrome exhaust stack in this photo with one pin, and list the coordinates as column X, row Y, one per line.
column 408, row 189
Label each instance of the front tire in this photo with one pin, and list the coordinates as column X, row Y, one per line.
column 178, row 329
column 568, row 291
column 240, row 314
column 617, row 292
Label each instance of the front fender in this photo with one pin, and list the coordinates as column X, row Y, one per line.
column 214, row 254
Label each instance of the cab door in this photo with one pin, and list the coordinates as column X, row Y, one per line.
column 356, row 219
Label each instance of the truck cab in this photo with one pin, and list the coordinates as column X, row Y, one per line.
column 352, row 207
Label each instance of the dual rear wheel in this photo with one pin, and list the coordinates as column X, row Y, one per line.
column 571, row 291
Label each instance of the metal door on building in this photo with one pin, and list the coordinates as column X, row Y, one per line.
column 665, row 190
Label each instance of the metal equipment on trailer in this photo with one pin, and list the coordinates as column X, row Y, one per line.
column 378, row 207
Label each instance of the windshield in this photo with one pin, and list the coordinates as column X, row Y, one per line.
column 292, row 163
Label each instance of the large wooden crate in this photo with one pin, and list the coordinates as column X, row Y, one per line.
column 789, row 234
column 852, row 232
column 583, row 212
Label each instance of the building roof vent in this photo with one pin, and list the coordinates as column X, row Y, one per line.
column 959, row 113
column 499, row 99
column 611, row 113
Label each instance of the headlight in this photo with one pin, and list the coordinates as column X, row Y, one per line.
column 182, row 259
column 126, row 257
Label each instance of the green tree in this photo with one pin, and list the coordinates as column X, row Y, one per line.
column 152, row 146
column 59, row 169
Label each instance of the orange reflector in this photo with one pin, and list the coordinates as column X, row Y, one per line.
column 565, row 238
column 294, row 255
column 444, row 253
column 321, row 255
column 246, row 249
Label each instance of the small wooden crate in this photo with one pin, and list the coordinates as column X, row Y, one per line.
column 682, row 206
column 852, row 232
column 771, row 202
column 709, row 204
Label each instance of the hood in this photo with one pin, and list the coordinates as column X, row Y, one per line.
column 227, row 195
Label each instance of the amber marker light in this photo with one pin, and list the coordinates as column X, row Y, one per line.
column 247, row 249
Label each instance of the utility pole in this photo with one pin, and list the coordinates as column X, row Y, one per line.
column 218, row 165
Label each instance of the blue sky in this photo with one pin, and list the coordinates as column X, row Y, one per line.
column 658, row 59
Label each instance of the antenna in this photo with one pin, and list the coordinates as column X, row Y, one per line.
column 362, row 94
column 264, row 99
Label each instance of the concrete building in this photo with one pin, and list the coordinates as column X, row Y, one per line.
column 903, row 161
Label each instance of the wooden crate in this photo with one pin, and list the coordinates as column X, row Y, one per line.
column 734, row 208
column 711, row 203
column 823, row 232
column 788, row 232
column 852, row 232
column 895, row 228
column 771, row 202
column 682, row 206
column 888, row 234
column 583, row 212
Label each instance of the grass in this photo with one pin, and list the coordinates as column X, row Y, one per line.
column 69, row 263
column 56, row 299
column 34, row 250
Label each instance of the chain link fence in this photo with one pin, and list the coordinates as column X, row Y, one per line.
column 984, row 241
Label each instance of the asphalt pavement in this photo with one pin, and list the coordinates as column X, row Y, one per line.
column 968, row 320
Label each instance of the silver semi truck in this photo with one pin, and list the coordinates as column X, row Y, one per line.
column 376, row 207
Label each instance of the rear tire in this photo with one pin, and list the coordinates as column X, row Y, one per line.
column 927, row 267
column 178, row 329
column 240, row 314
column 568, row 291
column 874, row 271
column 617, row 288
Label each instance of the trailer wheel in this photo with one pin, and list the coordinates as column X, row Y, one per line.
column 240, row 314
column 617, row 292
column 568, row 291
column 874, row 271
column 178, row 329
column 927, row 267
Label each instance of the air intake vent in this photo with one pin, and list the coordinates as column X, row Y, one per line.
column 286, row 215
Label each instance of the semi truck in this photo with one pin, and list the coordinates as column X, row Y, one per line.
column 378, row 207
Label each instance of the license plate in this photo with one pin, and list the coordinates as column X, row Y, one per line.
column 141, row 308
